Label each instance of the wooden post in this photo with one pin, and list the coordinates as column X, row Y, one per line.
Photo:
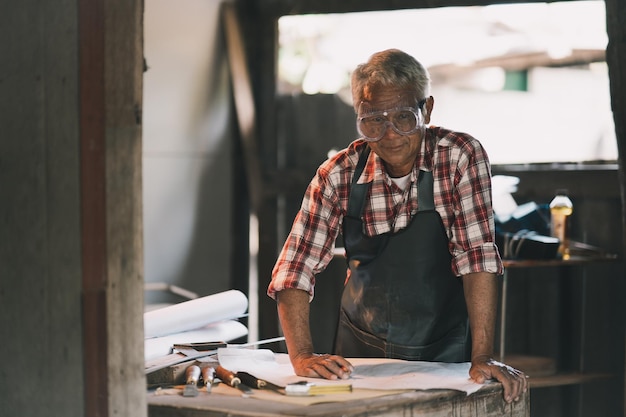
column 110, row 94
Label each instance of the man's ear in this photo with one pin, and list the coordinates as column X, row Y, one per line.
column 427, row 109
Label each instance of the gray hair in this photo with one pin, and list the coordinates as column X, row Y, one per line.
column 390, row 68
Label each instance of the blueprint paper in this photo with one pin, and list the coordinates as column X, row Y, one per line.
column 223, row 331
column 194, row 314
column 369, row 373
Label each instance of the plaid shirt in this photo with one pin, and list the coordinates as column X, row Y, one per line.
column 462, row 193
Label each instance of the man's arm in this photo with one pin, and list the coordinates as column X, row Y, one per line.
column 481, row 296
column 293, row 312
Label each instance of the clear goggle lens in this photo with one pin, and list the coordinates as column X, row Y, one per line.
column 404, row 121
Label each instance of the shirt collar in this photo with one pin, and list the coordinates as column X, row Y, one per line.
column 425, row 158
column 424, row 162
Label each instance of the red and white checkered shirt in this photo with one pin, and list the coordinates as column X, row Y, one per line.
column 462, row 193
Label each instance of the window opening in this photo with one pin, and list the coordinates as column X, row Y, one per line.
column 529, row 81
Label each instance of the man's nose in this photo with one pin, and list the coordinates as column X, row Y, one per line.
column 390, row 132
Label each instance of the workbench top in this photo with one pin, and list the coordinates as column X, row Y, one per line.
column 487, row 402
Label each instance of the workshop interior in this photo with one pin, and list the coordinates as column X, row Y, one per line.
column 155, row 154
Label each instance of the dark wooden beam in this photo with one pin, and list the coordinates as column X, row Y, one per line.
column 110, row 92
column 518, row 62
column 616, row 60
column 260, row 34
column 293, row 7
column 93, row 204
column 244, row 101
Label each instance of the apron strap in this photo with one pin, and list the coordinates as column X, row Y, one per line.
column 425, row 197
column 358, row 192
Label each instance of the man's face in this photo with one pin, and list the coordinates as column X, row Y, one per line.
column 397, row 150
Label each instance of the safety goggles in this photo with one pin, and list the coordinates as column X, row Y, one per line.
column 403, row 120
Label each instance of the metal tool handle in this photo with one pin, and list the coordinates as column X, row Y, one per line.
column 200, row 346
column 208, row 375
column 193, row 374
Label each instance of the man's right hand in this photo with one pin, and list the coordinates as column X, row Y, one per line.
column 293, row 311
column 325, row 366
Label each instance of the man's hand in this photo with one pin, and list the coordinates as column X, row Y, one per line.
column 322, row 366
column 293, row 311
column 513, row 381
column 481, row 294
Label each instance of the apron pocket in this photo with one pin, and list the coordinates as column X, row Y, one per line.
column 355, row 343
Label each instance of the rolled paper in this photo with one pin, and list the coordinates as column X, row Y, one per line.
column 223, row 331
column 194, row 314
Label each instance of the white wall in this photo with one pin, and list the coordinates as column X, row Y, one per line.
column 187, row 180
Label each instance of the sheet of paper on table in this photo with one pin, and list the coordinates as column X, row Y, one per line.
column 369, row 373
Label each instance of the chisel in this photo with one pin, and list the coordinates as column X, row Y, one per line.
column 300, row 389
column 191, row 386
column 254, row 382
column 230, row 378
column 208, row 375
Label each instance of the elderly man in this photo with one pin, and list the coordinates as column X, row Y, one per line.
column 414, row 206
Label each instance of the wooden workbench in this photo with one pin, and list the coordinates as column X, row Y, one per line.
column 487, row 402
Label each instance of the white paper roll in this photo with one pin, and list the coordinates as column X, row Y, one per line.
column 223, row 331
column 194, row 314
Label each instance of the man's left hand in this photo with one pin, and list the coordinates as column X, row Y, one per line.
column 513, row 381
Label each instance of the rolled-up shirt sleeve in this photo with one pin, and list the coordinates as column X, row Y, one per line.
column 309, row 247
column 473, row 229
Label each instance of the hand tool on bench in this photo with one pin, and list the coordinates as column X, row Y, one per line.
column 189, row 351
column 184, row 355
column 208, row 375
column 230, row 378
column 191, row 384
column 300, row 389
column 254, row 382
column 192, row 350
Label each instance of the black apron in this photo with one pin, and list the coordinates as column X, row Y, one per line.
column 402, row 300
